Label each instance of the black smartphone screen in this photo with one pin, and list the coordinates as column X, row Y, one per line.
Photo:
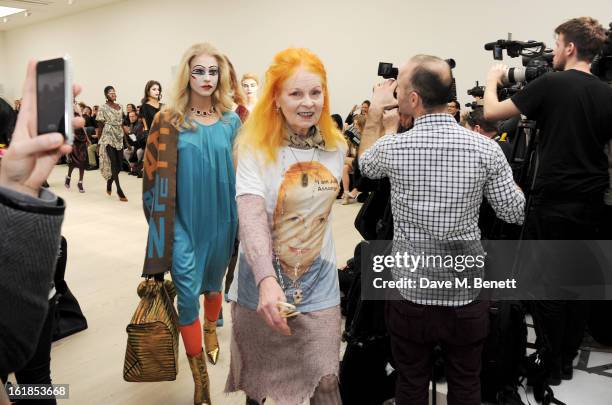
column 50, row 97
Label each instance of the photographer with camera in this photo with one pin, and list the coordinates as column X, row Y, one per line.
column 573, row 111
column 439, row 172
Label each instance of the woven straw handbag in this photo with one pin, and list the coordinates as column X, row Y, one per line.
column 152, row 345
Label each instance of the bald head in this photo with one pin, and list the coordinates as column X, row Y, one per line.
column 430, row 77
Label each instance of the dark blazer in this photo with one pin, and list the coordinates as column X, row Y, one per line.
column 29, row 245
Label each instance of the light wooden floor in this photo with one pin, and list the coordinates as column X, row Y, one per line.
column 106, row 243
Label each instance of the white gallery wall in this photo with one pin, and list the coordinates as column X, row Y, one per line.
column 4, row 79
column 129, row 42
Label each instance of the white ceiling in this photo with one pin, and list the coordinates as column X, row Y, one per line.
column 45, row 10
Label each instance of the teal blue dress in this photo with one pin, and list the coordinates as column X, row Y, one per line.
column 206, row 214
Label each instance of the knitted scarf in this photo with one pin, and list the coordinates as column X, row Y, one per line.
column 159, row 193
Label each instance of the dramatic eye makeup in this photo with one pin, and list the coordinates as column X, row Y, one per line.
column 199, row 70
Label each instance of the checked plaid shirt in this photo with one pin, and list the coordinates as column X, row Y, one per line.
column 439, row 173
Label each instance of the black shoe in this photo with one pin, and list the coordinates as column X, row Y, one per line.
column 509, row 396
column 567, row 370
column 554, row 376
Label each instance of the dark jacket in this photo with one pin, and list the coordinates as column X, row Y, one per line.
column 29, row 244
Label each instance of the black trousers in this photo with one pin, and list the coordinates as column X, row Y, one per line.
column 416, row 329
column 116, row 158
column 560, row 325
column 560, row 328
column 38, row 369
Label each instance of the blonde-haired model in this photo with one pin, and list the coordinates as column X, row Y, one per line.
column 189, row 198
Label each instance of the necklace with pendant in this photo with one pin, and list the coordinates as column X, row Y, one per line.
column 304, row 174
column 202, row 113
column 298, row 292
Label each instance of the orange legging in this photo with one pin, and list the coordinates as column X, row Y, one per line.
column 192, row 334
column 192, row 338
column 212, row 306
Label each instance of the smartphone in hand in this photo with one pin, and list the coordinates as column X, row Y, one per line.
column 54, row 101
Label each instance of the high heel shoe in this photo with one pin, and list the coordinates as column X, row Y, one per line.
column 122, row 196
column 201, row 395
column 211, row 342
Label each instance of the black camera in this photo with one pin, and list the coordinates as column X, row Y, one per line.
column 387, row 71
column 453, row 94
column 474, row 105
column 476, row 91
column 515, row 48
column 602, row 64
column 534, row 67
column 537, row 60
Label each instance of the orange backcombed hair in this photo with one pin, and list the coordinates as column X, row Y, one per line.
column 263, row 130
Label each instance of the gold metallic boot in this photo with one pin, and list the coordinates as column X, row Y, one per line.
column 211, row 343
column 201, row 394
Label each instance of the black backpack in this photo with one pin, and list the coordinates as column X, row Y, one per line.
column 363, row 370
column 503, row 352
column 69, row 318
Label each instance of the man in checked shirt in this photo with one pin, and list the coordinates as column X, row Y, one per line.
column 439, row 173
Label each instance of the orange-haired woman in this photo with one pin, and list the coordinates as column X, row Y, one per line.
column 290, row 158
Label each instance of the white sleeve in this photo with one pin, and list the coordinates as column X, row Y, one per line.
column 249, row 175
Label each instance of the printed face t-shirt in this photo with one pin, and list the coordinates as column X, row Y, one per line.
column 299, row 189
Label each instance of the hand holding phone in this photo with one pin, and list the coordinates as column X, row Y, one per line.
column 54, row 100
column 30, row 158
